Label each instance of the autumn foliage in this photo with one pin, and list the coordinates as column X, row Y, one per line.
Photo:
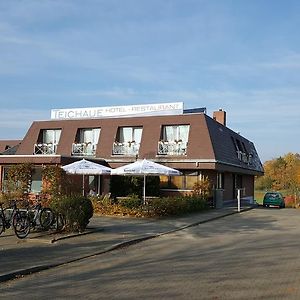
column 282, row 173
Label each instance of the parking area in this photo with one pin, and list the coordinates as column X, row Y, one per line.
column 253, row 255
column 42, row 249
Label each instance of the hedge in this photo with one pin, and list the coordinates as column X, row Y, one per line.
column 77, row 211
column 156, row 207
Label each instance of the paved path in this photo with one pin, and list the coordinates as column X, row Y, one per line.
column 253, row 255
column 43, row 250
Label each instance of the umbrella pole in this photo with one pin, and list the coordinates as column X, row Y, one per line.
column 144, row 189
column 83, row 185
column 99, row 187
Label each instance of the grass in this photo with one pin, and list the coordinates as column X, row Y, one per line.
column 258, row 196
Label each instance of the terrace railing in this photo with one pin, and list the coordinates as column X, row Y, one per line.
column 172, row 148
column 45, row 149
column 126, row 148
column 84, row 149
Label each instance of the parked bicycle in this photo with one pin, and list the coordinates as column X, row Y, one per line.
column 12, row 216
column 59, row 222
column 40, row 216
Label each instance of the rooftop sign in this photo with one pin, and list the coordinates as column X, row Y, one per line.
column 174, row 108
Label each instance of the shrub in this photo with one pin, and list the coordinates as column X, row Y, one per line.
column 77, row 211
column 202, row 188
column 291, row 201
column 132, row 202
column 169, row 206
column 197, row 203
column 156, row 207
column 108, row 208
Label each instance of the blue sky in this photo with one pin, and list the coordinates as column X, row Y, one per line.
column 242, row 56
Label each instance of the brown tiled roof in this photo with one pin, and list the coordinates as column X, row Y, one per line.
column 7, row 144
column 210, row 144
column 225, row 150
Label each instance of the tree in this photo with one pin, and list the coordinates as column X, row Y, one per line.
column 282, row 173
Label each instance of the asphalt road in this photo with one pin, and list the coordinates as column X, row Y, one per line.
column 254, row 255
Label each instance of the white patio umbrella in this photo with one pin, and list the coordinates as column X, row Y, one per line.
column 86, row 167
column 145, row 168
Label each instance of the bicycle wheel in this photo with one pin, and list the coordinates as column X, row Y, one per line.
column 1, row 225
column 46, row 218
column 21, row 225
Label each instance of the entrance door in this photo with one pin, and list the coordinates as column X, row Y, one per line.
column 237, row 180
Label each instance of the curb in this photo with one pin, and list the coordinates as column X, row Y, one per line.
column 36, row 269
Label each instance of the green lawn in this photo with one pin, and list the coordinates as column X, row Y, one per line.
column 258, row 196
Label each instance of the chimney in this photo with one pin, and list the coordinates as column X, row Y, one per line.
column 220, row 116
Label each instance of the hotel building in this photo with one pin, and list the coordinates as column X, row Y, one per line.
column 185, row 139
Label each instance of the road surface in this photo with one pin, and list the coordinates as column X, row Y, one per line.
column 254, row 255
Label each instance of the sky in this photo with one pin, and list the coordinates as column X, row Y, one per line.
column 241, row 56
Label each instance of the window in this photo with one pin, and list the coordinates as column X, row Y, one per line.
column 86, row 142
column 239, row 146
column 244, row 147
column 190, row 181
column 94, row 183
column 90, row 135
column 130, row 135
column 36, row 180
column 128, row 141
column 241, row 151
column 234, row 144
column 51, row 136
column 177, row 182
column 185, row 182
column 47, row 141
column 175, row 133
column 4, row 178
column 164, row 182
column 174, row 140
